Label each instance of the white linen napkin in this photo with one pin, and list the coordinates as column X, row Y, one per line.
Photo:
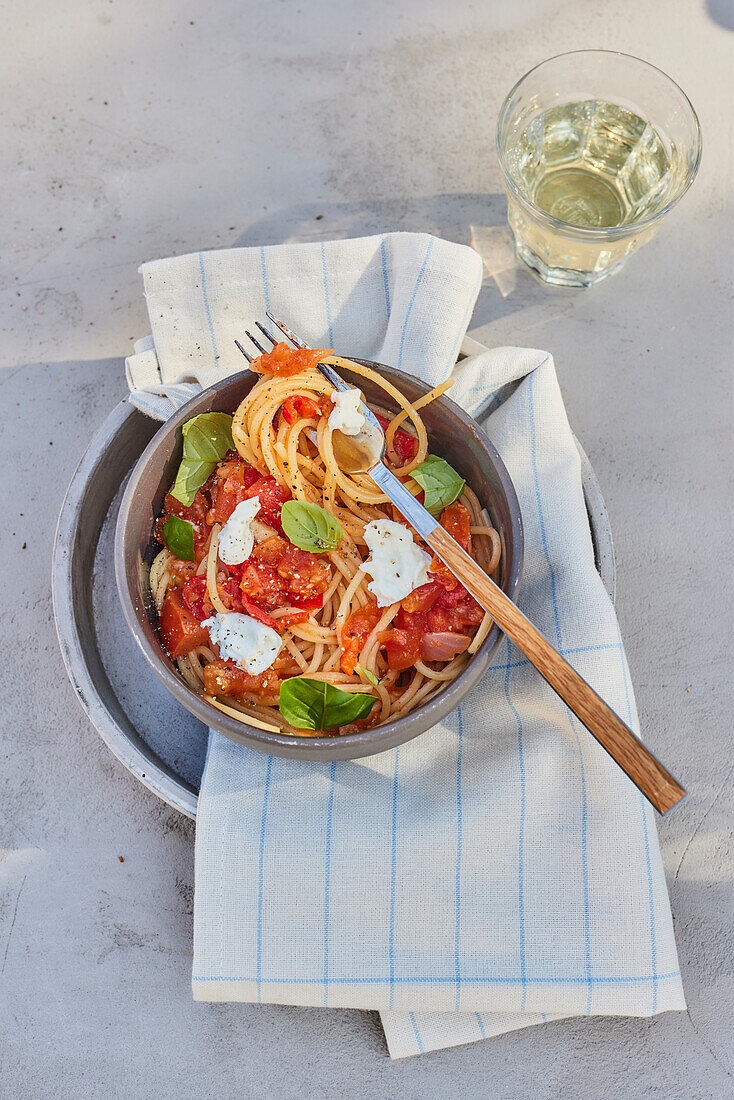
column 499, row 870
column 399, row 298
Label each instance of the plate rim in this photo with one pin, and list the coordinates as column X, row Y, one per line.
column 156, row 778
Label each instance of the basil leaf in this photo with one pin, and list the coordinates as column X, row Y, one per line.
column 310, row 526
column 191, row 475
column 440, row 482
column 178, row 535
column 368, row 674
column 206, row 440
column 316, row 705
column 208, row 436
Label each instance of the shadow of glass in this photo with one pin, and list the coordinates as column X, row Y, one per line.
column 495, row 245
column 444, row 215
column 721, row 12
column 471, row 218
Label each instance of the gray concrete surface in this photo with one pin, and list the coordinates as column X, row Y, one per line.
column 134, row 130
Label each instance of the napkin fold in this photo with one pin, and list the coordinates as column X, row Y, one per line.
column 499, row 870
column 399, row 298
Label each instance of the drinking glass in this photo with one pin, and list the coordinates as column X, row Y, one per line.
column 596, row 148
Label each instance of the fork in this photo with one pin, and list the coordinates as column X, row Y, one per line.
column 639, row 764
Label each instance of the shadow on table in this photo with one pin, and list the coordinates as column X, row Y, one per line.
column 721, row 12
column 472, row 218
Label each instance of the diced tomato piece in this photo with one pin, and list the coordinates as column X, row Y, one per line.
column 279, row 573
column 228, row 486
column 196, row 599
column 224, row 678
column 226, row 495
column 440, row 620
column 284, row 360
column 470, row 612
column 423, row 598
column 443, row 574
column 454, row 611
column 404, row 444
column 271, row 496
column 403, row 642
column 257, row 613
column 180, row 630
column 443, row 646
column 195, row 512
column 297, row 406
column 233, row 465
column 235, row 572
column 271, row 550
column 456, row 520
column 227, row 678
column 307, row 574
column 234, row 592
column 264, row 585
column 292, row 619
column 357, row 629
column 308, row 603
column 450, row 597
column 181, row 571
column 397, row 647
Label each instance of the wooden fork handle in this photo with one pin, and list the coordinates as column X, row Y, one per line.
column 647, row 773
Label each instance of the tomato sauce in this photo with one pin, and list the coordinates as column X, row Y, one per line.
column 355, row 632
column 277, row 574
column 284, row 361
column 434, row 623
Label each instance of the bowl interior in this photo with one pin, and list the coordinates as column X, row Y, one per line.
column 452, row 434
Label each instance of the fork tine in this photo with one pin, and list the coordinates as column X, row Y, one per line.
column 267, row 334
column 246, row 354
column 259, row 346
column 286, row 331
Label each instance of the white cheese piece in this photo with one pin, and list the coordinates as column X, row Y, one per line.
column 237, row 537
column 250, row 644
column 346, row 415
column 396, row 564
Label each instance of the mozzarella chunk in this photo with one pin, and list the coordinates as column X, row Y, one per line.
column 397, row 566
column 346, row 415
column 250, row 644
column 237, row 537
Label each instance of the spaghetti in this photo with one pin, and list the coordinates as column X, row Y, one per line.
column 332, row 629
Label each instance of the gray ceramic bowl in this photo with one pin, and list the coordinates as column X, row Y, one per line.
column 452, row 434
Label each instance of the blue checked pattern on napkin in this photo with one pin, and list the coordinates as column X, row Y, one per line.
column 499, row 870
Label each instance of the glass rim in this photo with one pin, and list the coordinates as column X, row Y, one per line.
column 579, row 230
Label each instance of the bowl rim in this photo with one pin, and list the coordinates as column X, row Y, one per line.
column 378, row 738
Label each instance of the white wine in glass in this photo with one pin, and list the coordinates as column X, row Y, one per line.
column 589, row 177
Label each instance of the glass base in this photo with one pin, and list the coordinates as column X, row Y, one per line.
column 562, row 276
